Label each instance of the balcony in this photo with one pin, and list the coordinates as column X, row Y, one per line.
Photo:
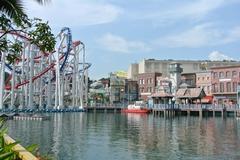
column 175, row 70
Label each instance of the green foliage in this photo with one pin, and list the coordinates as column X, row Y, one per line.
column 38, row 33
column 41, row 36
column 6, row 152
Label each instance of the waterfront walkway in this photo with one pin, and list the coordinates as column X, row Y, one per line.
column 169, row 110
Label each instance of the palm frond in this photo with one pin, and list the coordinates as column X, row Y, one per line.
column 43, row 2
column 13, row 9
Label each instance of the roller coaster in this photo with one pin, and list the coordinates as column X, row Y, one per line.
column 45, row 81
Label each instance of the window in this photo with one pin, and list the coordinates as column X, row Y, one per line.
column 208, row 89
column 198, row 78
column 221, row 87
column 143, row 81
column 207, row 78
column 234, row 88
column 215, row 88
column 140, row 81
column 203, row 78
column 228, row 86
column 215, row 75
column 228, row 74
column 234, row 73
column 221, row 75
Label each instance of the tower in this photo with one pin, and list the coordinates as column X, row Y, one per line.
column 175, row 71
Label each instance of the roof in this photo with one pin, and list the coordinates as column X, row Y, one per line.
column 184, row 85
column 190, row 93
column 223, row 67
column 162, row 94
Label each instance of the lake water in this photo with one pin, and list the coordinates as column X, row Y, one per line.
column 109, row 136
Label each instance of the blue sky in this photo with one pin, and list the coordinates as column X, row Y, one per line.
column 120, row 32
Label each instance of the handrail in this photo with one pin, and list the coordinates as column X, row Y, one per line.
column 22, row 153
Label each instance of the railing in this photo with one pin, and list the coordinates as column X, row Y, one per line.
column 193, row 106
column 109, row 106
column 22, row 153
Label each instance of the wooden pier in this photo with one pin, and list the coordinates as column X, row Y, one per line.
column 193, row 110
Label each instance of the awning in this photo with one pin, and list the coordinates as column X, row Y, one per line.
column 207, row 99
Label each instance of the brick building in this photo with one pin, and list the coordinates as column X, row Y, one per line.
column 224, row 84
column 204, row 81
column 147, row 83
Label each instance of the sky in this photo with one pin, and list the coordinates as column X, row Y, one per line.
column 120, row 32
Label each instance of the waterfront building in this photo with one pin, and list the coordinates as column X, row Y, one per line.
column 190, row 95
column 147, row 83
column 117, row 89
column 225, row 80
column 204, row 81
column 163, row 91
column 162, row 66
column 98, row 93
column 131, row 90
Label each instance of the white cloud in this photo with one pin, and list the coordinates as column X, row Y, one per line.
column 116, row 43
column 193, row 10
column 218, row 56
column 74, row 12
column 199, row 36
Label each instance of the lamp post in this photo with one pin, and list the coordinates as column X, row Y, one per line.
column 238, row 91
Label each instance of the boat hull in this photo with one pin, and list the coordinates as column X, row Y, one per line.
column 135, row 110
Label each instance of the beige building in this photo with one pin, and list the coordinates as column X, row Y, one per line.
column 162, row 66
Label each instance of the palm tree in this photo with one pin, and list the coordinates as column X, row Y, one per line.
column 14, row 8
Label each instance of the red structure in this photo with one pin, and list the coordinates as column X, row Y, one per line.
column 224, row 84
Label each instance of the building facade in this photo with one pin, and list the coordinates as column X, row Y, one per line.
column 147, row 83
column 131, row 90
column 162, row 66
column 204, row 80
column 189, row 78
column 224, row 84
column 117, row 89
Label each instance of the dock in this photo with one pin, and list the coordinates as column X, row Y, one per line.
column 195, row 110
column 31, row 117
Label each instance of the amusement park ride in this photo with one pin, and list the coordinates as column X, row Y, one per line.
column 38, row 80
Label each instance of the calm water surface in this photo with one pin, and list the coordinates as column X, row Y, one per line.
column 89, row 136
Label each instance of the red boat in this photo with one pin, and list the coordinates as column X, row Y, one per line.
column 137, row 107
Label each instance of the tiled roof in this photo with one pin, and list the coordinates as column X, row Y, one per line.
column 161, row 94
column 190, row 93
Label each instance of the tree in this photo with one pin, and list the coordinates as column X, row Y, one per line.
column 14, row 9
column 14, row 19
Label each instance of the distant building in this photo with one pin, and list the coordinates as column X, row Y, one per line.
column 163, row 91
column 190, row 95
column 147, row 83
column 175, row 71
column 204, row 81
column 117, row 89
column 189, row 78
column 225, row 80
column 131, row 90
column 162, row 66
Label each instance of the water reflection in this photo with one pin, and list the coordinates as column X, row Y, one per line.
column 131, row 136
